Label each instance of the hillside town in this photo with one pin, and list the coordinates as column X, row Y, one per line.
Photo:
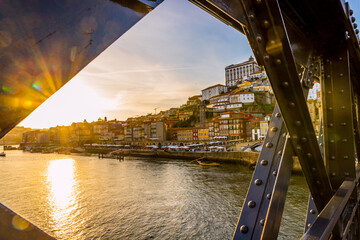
column 228, row 115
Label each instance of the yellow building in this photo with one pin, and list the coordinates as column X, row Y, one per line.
column 244, row 85
column 184, row 134
column 203, row 133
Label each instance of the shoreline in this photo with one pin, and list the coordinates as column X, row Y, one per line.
column 246, row 158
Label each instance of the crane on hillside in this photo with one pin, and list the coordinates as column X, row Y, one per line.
column 155, row 109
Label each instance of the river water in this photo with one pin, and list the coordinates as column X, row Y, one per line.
column 82, row 197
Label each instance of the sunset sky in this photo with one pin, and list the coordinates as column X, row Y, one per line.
column 174, row 52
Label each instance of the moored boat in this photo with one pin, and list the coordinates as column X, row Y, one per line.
column 2, row 154
column 214, row 164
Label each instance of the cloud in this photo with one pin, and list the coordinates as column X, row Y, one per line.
column 171, row 54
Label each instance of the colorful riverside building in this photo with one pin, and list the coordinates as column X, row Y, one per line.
column 191, row 134
column 231, row 126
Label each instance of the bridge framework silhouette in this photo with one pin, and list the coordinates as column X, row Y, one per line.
column 46, row 42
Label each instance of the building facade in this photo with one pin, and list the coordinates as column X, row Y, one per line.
column 232, row 126
column 209, row 92
column 236, row 73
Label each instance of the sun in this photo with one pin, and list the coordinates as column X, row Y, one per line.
column 74, row 102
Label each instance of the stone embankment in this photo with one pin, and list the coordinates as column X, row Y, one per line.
column 246, row 158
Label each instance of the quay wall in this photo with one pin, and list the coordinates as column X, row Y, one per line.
column 246, row 158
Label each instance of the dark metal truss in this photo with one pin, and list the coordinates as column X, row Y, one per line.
column 297, row 43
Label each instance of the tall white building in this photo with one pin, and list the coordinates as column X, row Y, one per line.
column 235, row 73
column 209, row 92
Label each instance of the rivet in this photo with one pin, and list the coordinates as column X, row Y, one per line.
column 262, row 221
column 266, row 57
column 330, row 108
column 344, row 140
column 318, row 182
column 312, row 211
column 333, row 174
column 332, row 141
column 321, row 144
column 309, row 155
column 252, row 204
column 355, row 25
column 252, row 17
column 333, row 157
column 298, row 123
column 298, row 147
column 278, row 115
column 342, row 107
column 314, row 169
column 268, row 196
column 269, row 145
column 266, row 24
column 258, row 1
column 329, row 92
column 309, row 225
column 279, row 153
column 278, row 61
column 274, row 173
column 328, row 76
column 341, row 74
column 330, row 124
column 342, row 91
column 292, row 104
column 327, row 60
column 353, row 19
column 351, row 12
column 347, row 174
column 274, row 129
column 295, row 137
column 343, row 124
column 244, row 229
column 285, row 84
column 304, row 139
column 258, row 38
column 264, row 162
column 346, row 157
column 258, row 182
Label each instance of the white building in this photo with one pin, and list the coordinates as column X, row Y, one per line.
column 235, row 73
column 313, row 91
column 220, row 102
column 211, row 91
column 242, row 97
column 257, row 75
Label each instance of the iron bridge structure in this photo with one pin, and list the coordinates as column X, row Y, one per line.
column 44, row 43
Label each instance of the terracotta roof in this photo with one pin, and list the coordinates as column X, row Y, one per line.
column 217, row 85
column 223, row 94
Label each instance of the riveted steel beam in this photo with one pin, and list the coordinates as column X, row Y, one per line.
column 227, row 11
column 268, row 37
column 14, row 227
column 258, row 197
column 277, row 202
column 328, row 217
column 338, row 115
column 312, row 211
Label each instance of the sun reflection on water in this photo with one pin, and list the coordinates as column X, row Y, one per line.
column 62, row 192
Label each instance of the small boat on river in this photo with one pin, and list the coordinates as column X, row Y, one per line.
column 214, row 164
column 2, row 154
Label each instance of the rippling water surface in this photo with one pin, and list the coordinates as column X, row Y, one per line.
column 78, row 197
